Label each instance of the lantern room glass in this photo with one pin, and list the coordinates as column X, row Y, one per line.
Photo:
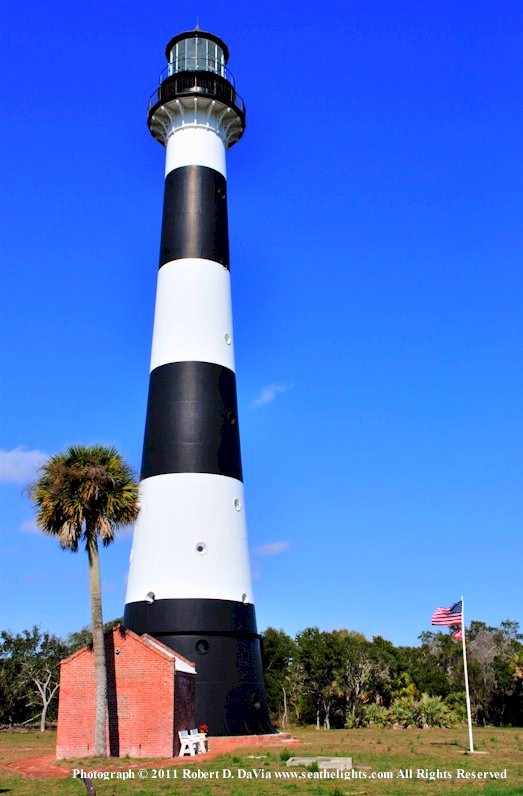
column 197, row 54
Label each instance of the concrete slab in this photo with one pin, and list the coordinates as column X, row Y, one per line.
column 339, row 763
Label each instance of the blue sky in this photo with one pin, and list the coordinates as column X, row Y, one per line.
column 375, row 207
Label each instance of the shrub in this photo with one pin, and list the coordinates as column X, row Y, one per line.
column 374, row 716
column 402, row 712
column 456, row 703
column 433, row 712
column 428, row 711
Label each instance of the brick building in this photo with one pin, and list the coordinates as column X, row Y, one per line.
column 150, row 695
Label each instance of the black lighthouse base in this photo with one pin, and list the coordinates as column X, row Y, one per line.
column 221, row 637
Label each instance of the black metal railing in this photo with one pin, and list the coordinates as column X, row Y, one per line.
column 201, row 82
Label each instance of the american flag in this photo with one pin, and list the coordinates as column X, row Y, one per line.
column 448, row 616
column 458, row 635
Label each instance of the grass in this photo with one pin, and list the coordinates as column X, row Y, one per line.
column 374, row 751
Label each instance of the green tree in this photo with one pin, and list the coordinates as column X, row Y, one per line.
column 81, row 495
column 495, row 692
column 295, row 689
column 29, row 674
column 432, row 667
column 355, row 668
column 319, row 655
column 13, row 706
column 495, row 696
column 386, row 670
column 279, row 650
column 82, row 638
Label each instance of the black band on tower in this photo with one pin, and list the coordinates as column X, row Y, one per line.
column 194, row 220
column 192, row 421
column 220, row 636
column 190, row 616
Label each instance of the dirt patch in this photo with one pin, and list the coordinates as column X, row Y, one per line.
column 46, row 766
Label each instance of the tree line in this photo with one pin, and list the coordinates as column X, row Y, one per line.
column 330, row 679
column 341, row 679
column 30, row 673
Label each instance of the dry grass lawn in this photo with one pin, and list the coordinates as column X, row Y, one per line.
column 431, row 761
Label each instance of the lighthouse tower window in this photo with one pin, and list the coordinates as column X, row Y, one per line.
column 195, row 55
column 202, row 646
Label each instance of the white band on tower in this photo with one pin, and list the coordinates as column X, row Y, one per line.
column 195, row 145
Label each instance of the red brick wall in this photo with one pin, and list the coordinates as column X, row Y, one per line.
column 141, row 689
column 75, row 734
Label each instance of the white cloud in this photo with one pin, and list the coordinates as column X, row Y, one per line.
column 272, row 549
column 20, row 465
column 270, row 392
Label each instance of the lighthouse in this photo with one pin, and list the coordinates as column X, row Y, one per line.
column 189, row 580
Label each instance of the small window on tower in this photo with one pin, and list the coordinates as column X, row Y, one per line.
column 202, row 647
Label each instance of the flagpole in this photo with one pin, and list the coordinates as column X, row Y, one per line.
column 465, row 670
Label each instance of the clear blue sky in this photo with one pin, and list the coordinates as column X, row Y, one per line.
column 376, row 232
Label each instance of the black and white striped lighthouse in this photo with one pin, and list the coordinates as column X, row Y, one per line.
column 189, row 580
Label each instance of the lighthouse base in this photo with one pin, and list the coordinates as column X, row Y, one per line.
column 220, row 636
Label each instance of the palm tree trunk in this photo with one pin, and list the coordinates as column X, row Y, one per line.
column 100, row 671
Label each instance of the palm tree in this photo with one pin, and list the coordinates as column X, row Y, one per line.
column 80, row 495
